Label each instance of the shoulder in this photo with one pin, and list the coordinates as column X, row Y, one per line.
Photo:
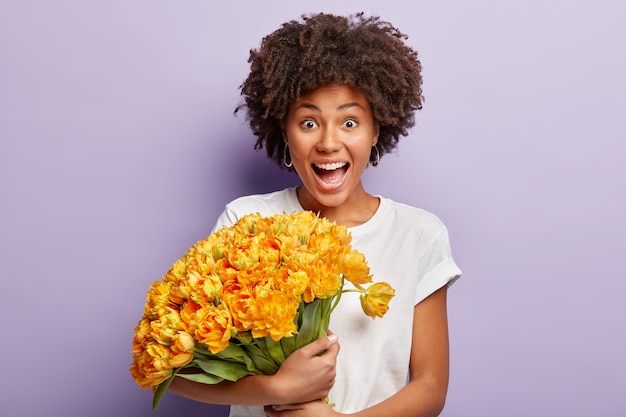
column 266, row 205
column 412, row 218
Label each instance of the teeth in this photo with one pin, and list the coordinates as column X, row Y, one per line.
column 330, row 167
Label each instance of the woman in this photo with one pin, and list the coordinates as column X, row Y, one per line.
column 328, row 96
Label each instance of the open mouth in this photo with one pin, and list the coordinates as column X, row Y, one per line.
column 331, row 173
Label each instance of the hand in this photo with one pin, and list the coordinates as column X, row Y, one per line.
column 306, row 375
column 310, row 409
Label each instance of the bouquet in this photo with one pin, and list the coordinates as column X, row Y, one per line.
column 240, row 301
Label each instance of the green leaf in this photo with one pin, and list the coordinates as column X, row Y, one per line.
column 202, row 378
column 160, row 391
column 236, row 354
column 202, row 349
column 261, row 359
column 230, row 371
column 289, row 345
column 233, row 353
column 310, row 323
column 327, row 308
column 275, row 350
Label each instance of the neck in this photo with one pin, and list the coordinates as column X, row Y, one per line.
column 358, row 209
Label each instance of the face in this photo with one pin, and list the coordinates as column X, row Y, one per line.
column 330, row 132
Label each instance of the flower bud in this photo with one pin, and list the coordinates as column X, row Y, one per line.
column 375, row 300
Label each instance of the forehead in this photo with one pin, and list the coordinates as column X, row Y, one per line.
column 333, row 96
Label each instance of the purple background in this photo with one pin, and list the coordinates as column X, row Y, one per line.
column 118, row 149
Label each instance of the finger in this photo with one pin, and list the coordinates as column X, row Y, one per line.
column 320, row 345
column 285, row 407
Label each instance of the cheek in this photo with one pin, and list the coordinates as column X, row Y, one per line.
column 364, row 148
column 299, row 148
column 299, row 155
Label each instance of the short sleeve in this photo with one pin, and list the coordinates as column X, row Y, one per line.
column 227, row 218
column 437, row 267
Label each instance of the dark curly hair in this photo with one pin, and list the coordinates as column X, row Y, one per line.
column 365, row 53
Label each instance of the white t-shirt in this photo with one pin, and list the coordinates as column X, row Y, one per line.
column 405, row 246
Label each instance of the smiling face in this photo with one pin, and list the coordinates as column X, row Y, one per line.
column 330, row 132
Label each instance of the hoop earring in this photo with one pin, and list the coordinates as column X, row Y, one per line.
column 376, row 160
column 285, row 155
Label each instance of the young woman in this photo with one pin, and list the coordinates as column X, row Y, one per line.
column 328, row 96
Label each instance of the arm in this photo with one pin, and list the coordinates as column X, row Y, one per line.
column 304, row 376
column 425, row 394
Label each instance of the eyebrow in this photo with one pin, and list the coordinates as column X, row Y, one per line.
column 341, row 107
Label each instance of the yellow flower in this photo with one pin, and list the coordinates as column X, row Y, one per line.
column 325, row 244
column 181, row 349
column 270, row 252
column 190, row 314
column 354, row 267
column 208, row 246
column 142, row 331
column 324, row 280
column 151, row 366
column 375, row 300
column 245, row 254
column 239, row 300
column 253, row 281
column 157, row 297
column 276, row 312
column 182, row 288
column 176, row 272
column 225, row 271
column 300, row 224
column 211, row 288
column 293, row 283
column 248, row 224
column 166, row 325
column 214, row 328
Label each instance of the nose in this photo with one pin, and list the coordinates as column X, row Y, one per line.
column 329, row 140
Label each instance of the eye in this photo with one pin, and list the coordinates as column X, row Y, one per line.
column 350, row 123
column 308, row 124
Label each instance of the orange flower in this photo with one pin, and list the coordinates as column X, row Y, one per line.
column 354, row 267
column 181, row 349
column 151, row 367
column 253, row 281
column 276, row 312
column 300, row 224
column 176, row 272
column 157, row 297
column 270, row 252
column 292, row 283
column 375, row 300
column 142, row 331
column 324, row 280
column 241, row 303
column 190, row 315
column 245, row 253
column 166, row 325
column 211, row 288
column 215, row 328
column 183, row 287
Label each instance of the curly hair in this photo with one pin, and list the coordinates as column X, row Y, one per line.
column 365, row 53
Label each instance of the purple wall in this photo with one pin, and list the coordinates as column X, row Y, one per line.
column 118, row 149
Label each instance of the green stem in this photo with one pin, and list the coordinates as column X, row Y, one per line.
column 337, row 297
